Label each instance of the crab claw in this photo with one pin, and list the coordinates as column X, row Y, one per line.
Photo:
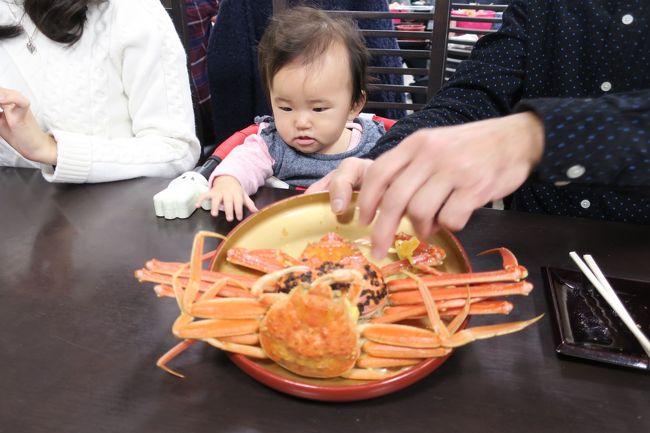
column 263, row 260
column 509, row 261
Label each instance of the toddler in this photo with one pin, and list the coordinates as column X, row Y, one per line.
column 313, row 67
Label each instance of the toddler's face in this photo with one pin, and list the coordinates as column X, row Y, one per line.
column 311, row 104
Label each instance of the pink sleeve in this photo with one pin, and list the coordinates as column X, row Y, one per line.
column 250, row 163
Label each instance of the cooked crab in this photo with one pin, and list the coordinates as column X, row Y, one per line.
column 316, row 330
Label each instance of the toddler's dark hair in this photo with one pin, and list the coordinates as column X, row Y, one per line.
column 306, row 33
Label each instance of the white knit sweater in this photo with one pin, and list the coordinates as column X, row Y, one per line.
column 117, row 102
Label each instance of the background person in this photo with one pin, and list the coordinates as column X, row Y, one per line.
column 94, row 91
column 200, row 16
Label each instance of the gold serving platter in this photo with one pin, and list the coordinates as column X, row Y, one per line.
column 290, row 225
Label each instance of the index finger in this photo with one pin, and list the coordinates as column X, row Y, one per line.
column 344, row 179
column 378, row 179
column 321, row 184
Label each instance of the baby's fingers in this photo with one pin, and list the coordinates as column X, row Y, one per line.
column 228, row 206
column 240, row 202
column 201, row 198
column 216, row 203
column 238, row 208
column 250, row 204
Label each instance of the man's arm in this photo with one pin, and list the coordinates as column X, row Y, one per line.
column 602, row 141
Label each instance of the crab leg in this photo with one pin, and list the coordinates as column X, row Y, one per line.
column 185, row 295
column 431, row 281
column 477, row 291
column 432, row 311
column 169, row 268
column 227, row 292
column 263, row 260
column 234, row 308
column 184, row 319
column 511, row 271
column 366, row 361
column 394, row 352
column 228, row 308
column 442, row 305
column 244, row 349
column 368, row 374
column 247, row 339
column 201, row 329
column 477, row 307
column 207, row 277
column 456, row 339
column 481, row 332
column 441, row 337
column 158, row 269
column 459, row 319
column 401, row 335
column 226, row 316
column 174, row 265
column 189, row 329
column 482, row 308
column 173, row 353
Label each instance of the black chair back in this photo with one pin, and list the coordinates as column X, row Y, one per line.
column 413, row 34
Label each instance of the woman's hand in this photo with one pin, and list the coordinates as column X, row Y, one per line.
column 19, row 128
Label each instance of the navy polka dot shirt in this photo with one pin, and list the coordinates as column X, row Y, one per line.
column 584, row 68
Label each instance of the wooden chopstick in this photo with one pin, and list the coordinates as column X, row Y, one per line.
column 598, row 279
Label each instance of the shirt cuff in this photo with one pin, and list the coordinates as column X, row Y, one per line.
column 74, row 156
column 564, row 159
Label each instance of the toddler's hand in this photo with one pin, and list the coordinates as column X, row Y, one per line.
column 228, row 191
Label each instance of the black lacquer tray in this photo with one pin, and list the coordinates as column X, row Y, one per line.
column 585, row 326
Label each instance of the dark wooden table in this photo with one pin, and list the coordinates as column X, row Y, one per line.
column 79, row 336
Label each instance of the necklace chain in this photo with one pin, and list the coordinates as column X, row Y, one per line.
column 30, row 39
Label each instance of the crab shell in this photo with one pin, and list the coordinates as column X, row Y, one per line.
column 331, row 247
column 312, row 332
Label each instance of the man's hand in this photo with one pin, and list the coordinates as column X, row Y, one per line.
column 437, row 177
column 341, row 182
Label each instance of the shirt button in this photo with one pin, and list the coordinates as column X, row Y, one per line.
column 575, row 171
column 606, row 86
column 627, row 19
column 585, row 204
